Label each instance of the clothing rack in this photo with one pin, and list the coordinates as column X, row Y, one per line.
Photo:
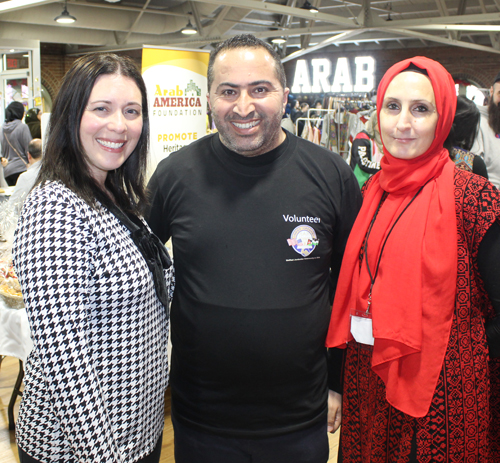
column 335, row 120
column 310, row 118
column 347, row 103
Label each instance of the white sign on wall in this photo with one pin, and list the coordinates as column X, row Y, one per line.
column 324, row 79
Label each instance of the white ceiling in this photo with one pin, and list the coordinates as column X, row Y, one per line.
column 129, row 24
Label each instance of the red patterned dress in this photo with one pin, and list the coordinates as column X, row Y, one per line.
column 463, row 423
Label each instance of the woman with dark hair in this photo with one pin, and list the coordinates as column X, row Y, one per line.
column 14, row 137
column 32, row 120
column 96, row 283
column 462, row 135
column 417, row 305
column 318, row 106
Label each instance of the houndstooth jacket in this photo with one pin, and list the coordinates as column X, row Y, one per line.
column 95, row 380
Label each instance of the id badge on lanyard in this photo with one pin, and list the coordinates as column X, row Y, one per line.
column 361, row 327
column 361, row 322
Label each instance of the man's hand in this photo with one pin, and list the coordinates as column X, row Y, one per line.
column 334, row 411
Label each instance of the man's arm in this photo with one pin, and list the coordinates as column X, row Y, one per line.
column 155, row 213
column 350, row 205
column 334, row 410
column 335, row 366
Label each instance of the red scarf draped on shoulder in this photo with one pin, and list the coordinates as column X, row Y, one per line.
column 413, row 297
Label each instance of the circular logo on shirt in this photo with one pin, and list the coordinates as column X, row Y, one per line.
column 303, row 240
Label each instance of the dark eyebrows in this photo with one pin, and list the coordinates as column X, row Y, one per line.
column 251, row 84
column 109, row 102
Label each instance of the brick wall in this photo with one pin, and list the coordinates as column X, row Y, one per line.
column 53, row 69
column 55, row 64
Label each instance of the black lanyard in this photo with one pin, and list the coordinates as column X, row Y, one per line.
column 365, row 249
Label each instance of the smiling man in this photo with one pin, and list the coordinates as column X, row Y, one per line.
column 247, row 109
column 259, row 220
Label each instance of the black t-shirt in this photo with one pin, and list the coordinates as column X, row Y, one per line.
column 254, row 240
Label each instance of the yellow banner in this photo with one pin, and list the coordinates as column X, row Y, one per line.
column 176, row 81
column 195, row 61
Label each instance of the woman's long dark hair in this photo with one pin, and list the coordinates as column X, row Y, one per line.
column 465, row 125
column 65, row 159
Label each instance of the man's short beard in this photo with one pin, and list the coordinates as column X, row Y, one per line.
column 253, row 146
column 494, row 116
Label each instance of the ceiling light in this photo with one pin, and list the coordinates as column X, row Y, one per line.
column 307, row 6
column 278, row 40
column 389, row 6
column 189, row 29
column 65, row 17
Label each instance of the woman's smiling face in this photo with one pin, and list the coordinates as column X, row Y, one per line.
column 408, row 117
column 111, row 124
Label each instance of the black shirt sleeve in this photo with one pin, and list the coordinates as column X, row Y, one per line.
column 488, row 260
column 155, row 213
column 336, row 358
column 351, row 203
column 479, row 167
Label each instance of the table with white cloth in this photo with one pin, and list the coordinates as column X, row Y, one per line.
column 15, row 341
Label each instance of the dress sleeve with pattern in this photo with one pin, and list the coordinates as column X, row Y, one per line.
column 53, row 254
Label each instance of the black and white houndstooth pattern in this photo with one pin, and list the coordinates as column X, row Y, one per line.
column 95, row 381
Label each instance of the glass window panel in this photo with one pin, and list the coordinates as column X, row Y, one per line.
column 16, row 90
column 17, row 61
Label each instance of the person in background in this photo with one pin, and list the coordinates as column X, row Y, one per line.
column 366, row 151
column 287, row 124
column 289, row 105
column 33, row 121
column 14, row 138
column 462, row 135
column 317, row 107
column 294, row 112
column 487, row 143
column 304, row 109
column 418, row 301
column 27, row 179
column 95, row 281
column 258, row 219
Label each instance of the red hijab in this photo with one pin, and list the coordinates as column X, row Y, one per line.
column 413, row 297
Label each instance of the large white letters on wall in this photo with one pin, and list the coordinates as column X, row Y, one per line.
column 365, row 72
column 321, row 72
column 340, row 81
column 301, row 81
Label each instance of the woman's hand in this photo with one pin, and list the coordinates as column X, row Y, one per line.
column 4, row 161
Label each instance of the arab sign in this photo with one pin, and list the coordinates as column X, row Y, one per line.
column 340, row 82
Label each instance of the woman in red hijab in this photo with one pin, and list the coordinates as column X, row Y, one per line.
column 419, row 280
